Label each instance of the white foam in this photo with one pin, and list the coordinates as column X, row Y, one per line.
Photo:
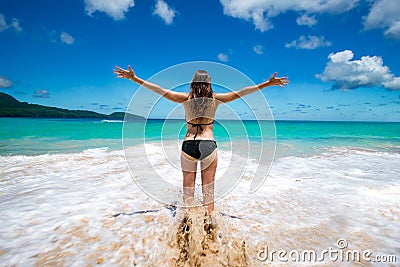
column 57, row 209
column 113, row 121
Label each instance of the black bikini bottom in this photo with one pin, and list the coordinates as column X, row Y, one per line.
column 199, row 149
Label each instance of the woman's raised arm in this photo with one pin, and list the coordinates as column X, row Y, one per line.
column 273, row 80
column 168, row 94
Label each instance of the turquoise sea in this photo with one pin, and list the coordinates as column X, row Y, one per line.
column 31, row 136
column 67, row 197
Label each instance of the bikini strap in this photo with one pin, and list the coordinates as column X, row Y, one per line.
column 197, row 125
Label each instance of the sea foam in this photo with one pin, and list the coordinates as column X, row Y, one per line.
column 58, row 209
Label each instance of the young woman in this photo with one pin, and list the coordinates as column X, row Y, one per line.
column 200, row 105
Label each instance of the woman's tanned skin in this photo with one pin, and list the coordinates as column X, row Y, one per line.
column 209, row 164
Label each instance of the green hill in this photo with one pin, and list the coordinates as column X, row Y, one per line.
column 11, row 107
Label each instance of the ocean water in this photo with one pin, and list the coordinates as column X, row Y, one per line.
column 67, row 196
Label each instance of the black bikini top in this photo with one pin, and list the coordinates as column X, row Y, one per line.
column 198, row 125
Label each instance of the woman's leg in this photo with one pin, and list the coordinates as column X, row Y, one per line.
column 208, row 169
column 189, row 168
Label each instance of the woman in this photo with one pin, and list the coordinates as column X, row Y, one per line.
column 200, row 105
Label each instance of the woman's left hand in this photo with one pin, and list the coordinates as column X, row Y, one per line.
column 127, row 74
column 282, row 81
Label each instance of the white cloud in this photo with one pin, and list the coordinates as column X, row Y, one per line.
column 114, row 8
column 66, row 38
column 13, row 25
column 347, row 74
column 258, row 49
column 309, row 42
column 41, row 94
column 306, row 20
column 5, row 82
column 393, row 31
column 393, row 84
column 223, row 57
column 3, row 23
column 384, row 14
column 341, row 57
column 259, row 12
column 164, row 11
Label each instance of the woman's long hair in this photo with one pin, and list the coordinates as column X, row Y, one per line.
column 201, row 85
column 201, row 93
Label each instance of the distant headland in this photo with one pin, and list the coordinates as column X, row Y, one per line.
column 11, row 107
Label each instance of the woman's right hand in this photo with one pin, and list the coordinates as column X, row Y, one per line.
column 127, row 74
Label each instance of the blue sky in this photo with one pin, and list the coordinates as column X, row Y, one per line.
column 341, row 55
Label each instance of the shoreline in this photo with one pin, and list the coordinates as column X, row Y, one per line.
column 183, row 120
